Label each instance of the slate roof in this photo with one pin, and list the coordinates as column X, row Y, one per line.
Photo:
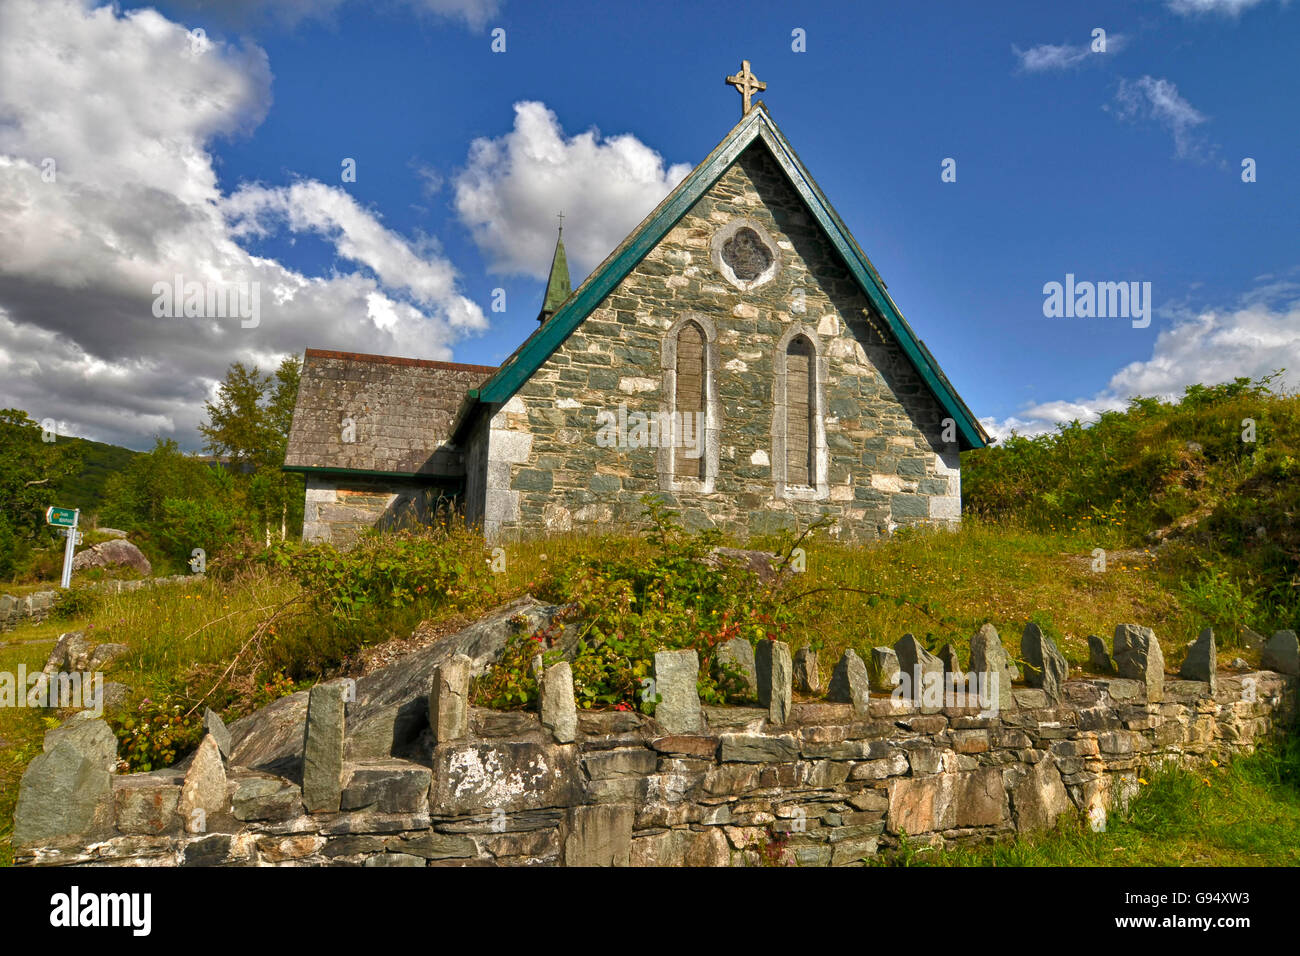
column 756, row 126
column 402, row 410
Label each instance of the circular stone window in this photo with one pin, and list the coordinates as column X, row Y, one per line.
column 745, row 254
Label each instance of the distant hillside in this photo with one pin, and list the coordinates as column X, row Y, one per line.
column 86, row 489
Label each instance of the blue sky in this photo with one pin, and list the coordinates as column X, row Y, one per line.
column 1115, row 166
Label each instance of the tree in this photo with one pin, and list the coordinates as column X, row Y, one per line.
column 249, row 422
column 30, row 467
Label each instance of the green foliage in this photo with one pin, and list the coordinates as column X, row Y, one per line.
column 157, row 735
column 385, row 584
column 512, row 682
column 1184, row 470
column 75, row 603
column 30, row 470
column 629, row 607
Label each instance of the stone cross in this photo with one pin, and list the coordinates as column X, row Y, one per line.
column 747, row 83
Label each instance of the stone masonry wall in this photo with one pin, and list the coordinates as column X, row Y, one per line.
column 339, row 509
column 810, row 784
column 884, row 461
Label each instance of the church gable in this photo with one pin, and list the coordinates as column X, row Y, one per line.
column 739, row 367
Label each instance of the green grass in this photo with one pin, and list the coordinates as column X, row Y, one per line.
column 1246, row 813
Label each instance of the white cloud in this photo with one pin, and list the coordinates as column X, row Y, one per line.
column 513, row 187
column 1254, row 339
column 127, row 112
column 290, row 13
column 1227, row 8
column 1047, row 56
column 1158, row 101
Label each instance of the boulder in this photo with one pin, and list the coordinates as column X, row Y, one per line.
column 1202, row 661
column 1282, row 654
column 1138, row 657
column 66, row 793
column 114, row 553
column 850, row 683
column 1047, row 667
column 676, row 684
column 882, row 670
column 1099, row 661
column 104, row 654
column 761, row 563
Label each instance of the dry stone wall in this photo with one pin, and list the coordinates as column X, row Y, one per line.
column 807, row 783
column 38, row 605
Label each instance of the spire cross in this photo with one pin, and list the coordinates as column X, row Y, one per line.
column 560, row 216
column 747, row 83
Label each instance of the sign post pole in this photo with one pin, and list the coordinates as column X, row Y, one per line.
column 65, row 518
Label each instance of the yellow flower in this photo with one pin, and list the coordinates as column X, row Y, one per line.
column 1142, row 781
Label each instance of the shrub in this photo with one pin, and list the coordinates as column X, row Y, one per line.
column 156, row 735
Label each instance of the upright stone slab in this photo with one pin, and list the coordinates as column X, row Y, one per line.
column 1047, row 668
column 67, row 791
column 1099, row 661
column 676, row 683
column 1202, row 661
column 806, row 678
column 1282, row 654
column 850, row 683
column 203, row 794
column 781, row 683
column 988, row 658
column 739, row 653
column 882, row 670
column 1138, row 657
column 449, row 700
column 916, row 664
column 951, row 660
column 559, row 709
column 214, row 725
column 322, row 752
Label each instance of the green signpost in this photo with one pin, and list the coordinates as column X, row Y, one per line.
column 65, row 518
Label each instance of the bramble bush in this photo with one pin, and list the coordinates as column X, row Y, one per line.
column 627, row 608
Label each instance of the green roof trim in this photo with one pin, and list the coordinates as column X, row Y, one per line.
column 756, row 125
column 558, row 287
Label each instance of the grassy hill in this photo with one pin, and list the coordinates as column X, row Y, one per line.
column 85, row 490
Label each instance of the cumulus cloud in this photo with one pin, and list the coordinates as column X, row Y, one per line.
column 107, row 188
column 513, row 186
column 1047, row 56
column 1158, row 101
column 1258, row 336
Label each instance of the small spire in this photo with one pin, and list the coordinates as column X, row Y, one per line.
column 557, row 286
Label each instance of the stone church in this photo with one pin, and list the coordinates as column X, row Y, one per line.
column 737, row 354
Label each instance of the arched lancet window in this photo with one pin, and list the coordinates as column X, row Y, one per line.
column 691, row 397
column 800, row 407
